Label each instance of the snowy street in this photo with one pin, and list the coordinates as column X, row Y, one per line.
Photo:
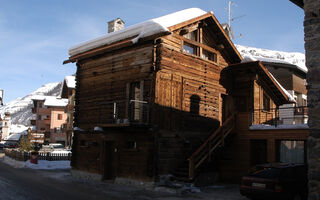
column 24, row 184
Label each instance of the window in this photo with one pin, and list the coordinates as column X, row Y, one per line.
column 191, row 35
column 59, row 116
column 189, row 48
column 135, row 104
column 209, row 55
column 39, row 117
column 291, row 151
column 266, row 102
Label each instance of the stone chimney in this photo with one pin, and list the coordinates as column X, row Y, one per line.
column 115, row 25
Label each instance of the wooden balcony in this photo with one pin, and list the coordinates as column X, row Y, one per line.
column 280, row 116
column 124, row 113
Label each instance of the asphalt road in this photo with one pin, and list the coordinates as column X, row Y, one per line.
column 25, row 184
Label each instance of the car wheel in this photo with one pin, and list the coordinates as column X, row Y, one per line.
column 297, row 197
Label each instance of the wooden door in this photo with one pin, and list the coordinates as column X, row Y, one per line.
column 110, row 160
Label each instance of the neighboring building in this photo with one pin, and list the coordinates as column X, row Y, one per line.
column 68, row 92
column 312, row 37
column 164, row 96
column 290, row 71
column 49, row 118
column 6, row 124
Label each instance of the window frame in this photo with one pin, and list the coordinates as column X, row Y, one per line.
column 199, row 46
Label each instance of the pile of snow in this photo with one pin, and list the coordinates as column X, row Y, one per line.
column 141, row 30
column 21, row 108
column 272, row 56
column 42, row 164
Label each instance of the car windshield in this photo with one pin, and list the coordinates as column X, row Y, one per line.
column 266, row 172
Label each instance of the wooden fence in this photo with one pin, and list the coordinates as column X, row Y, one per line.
column 24, row 156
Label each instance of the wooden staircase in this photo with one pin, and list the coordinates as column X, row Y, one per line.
column 186, row 172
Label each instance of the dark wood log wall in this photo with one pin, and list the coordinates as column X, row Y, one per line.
column 104, row 79
column 187, row 101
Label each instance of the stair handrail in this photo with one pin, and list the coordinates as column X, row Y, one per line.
column 192, row 165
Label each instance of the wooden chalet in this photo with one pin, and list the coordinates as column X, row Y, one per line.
column 172, row 101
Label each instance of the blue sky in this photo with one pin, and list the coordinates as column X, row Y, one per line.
column 35, row 35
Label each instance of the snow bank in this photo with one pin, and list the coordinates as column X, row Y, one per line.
column 141, row 30
column 272, row 56
column 42, row 164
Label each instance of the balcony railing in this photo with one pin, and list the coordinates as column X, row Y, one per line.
column 280, row 116
column 124, row 112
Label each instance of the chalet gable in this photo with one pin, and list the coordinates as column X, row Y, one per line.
column 169, row 24
column 271, row 85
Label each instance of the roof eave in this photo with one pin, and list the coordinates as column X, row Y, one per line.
column 298, row 3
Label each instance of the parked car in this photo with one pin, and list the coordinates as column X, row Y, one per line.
column 276, row 181
column 11, row 144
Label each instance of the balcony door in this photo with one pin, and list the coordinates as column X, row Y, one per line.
column 135, row 102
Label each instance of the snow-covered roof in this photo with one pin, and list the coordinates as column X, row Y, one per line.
column 141, row 30
column 272, row 56
column 54, row 101
column 70, row 81
column 39, row 97
column 290, row 97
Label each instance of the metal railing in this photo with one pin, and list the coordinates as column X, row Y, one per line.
column 124, row 112
column 280, row 116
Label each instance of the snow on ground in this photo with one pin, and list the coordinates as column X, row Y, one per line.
column 42, row 164
column 140, row 30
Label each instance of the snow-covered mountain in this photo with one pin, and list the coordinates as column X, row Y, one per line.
column 20, row 109
column 272, row 56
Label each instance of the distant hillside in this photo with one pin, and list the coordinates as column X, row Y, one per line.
column 20, row 108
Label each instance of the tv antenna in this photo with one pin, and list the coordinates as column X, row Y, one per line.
column 231, row 19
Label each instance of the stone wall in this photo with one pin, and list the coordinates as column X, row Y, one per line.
column 312, row 46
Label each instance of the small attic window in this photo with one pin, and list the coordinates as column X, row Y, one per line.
column 191, row 35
